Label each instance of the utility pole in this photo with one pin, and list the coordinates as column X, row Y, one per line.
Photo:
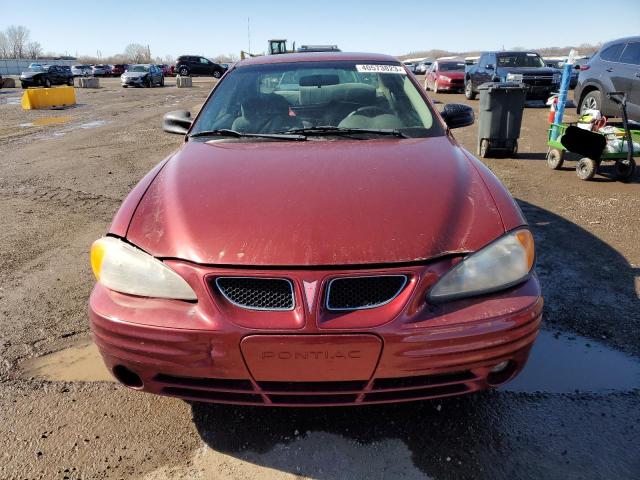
column 249, row 32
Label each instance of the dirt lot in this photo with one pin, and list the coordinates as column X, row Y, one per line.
column 574, row 413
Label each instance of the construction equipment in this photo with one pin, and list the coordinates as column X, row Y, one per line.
column 278, row 46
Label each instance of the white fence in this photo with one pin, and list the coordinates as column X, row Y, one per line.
column 16, row 67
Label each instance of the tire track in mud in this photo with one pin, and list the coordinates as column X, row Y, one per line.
column 78, row 201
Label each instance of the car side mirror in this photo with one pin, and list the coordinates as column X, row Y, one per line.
column 457, row 115
column 490, row 67
column 178, row 121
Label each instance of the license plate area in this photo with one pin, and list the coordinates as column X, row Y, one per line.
column 311, row 358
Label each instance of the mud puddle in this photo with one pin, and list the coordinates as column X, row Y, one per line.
column 562, row 363
column 79, row 363
column 10, row 100
column 559, row 363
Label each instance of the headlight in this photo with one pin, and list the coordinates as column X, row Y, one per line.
column 499, row 265
column 126, row 269
column 445, row 78
column 514, row 77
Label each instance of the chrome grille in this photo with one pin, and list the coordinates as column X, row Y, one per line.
column 255, row 293
column 358, row 293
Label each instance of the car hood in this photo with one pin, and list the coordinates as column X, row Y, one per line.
column 30, row 74
column 134, row 74
column 529, row 70
column 453, row 74
column 333, row 202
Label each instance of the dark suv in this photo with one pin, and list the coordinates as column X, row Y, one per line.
column 614, row 68
column 194, row 65
column 520, row 67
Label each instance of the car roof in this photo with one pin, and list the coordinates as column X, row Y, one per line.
column 316, row 57
column 623, row 39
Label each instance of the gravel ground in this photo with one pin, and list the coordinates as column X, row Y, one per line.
column 62, row 180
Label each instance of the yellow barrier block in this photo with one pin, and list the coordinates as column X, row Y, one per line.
column 37, row 98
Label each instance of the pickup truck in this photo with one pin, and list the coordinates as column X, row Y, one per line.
column 520, row 67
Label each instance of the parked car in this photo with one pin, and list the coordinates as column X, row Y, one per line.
column 411, row 66
column 46, row 76
column 559, row 65
column 445, row 75
column 81, row 70
column 521, row 67
column 118, row 69
column 142, row 75
column 245, row 269
column 166, row 70
column 422, row 66
column 615, row 67
column 99, row 70
column 187, row 65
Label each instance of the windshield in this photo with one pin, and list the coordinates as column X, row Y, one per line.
column 451, row 67
column 276, row 98
column 138, row 68
column 36, row 68
column 520, row 59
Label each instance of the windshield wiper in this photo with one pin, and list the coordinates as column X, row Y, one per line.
column 227, row 132
column 332, row 130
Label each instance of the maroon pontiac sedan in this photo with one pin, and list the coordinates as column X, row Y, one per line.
column 320, row 238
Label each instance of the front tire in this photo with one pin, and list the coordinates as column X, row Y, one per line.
column 162, row 82
column 624, row 169
column 435, row 86
column 591, row 101
column 468, row 91
column 586, row 168
column 183, row 72
column 217, row 74
column 555, row 158
column 70, row 82
column 47, row 83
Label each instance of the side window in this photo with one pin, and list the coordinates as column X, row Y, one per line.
column 631, row 54
column 612, row 53
column 204, row 61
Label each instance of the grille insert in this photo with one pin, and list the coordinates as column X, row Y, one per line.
column 255, row 293
column 358, row 293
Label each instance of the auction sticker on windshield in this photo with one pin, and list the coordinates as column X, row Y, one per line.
column 381, row 69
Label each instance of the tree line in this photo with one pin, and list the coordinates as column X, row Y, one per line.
column 15, row 43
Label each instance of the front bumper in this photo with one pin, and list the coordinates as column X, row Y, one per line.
column 132, row 81
column 198, row 351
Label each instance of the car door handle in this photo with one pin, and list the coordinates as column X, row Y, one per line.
column 609, row 69
column 638, row 75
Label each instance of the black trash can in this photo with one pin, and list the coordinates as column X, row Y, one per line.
column 501, row 108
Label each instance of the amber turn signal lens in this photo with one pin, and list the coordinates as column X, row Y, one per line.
column 526, row 240
column 97, row 255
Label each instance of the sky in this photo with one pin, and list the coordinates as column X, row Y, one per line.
column 394, row 27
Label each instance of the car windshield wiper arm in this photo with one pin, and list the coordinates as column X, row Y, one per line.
column 227, row 132
column 332, row 130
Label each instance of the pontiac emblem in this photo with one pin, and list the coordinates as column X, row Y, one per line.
column 310, row 292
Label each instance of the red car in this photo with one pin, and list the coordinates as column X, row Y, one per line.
column 118, row 69
column 445, row 75
column 166, row 69
column 320, row 238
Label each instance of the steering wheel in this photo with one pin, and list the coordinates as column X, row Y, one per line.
column 370, row 111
